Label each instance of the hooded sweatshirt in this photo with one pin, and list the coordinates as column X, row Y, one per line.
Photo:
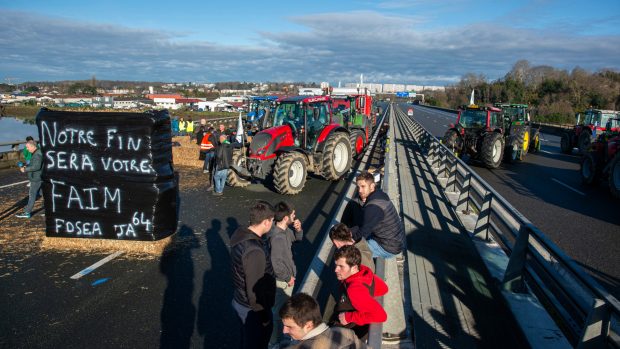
column 357, row 289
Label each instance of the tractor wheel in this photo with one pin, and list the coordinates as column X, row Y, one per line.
column 584, row 140
column 451, row 141
column 535, row 143
column 492, row 150
column 336, row 157
column 614, row 176
column 524, row 137
column 565, row 144
column 356, row 138
column 589, row 169
column 511, row 153
column 233, row 178
column 289, row 173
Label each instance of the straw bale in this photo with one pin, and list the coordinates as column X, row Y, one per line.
column 187, row 153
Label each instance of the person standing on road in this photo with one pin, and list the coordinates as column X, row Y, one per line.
column 253, row 280
column 356, row 307
column 281, row 239
column 174, row 126
column 302, row 320
column 34, row 170
column 381, row 225
column 223, row 160
column 208, row 145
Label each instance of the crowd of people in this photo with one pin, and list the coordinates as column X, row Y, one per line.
column 264, row 274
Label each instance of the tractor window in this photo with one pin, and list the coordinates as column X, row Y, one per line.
column 495, row 119
column 605, row 118
column 473, row 118
column 286, row 112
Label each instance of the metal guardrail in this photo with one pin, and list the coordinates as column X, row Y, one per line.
column 322, row 258
column 587, row 314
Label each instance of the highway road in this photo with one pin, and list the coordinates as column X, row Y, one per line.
column 546, row 188
column 180, row 299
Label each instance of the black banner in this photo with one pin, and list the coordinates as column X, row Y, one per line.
column 108, row 175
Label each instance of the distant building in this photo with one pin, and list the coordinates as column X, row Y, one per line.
column 310, row 91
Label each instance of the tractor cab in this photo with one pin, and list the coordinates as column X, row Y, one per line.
column 352, row 110
column 596, row 119
column 473, row 118
column 260, row 107
column 585, row 132
column 305, row 116
column 514, row 114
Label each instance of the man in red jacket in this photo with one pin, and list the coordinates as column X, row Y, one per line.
column 357, row 307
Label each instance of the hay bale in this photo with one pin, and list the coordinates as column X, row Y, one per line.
column 187, row 153
column 134, row 248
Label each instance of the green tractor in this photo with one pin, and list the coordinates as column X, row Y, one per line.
column 520, row 137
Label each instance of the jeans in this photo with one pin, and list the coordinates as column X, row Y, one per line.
column 220, row 180
column 32, row 195
column 283, row 293
column 208, row 157
column 377, row 250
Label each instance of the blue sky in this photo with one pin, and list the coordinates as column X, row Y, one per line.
column 425, row 42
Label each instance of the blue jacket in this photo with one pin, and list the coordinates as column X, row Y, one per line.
column 174, row 124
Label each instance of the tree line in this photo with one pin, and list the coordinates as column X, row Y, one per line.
column 554, row 95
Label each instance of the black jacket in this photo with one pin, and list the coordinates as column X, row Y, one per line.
column 381, row 223
column 255, row 286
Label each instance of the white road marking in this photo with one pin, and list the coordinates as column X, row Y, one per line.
column 568, row 186
column 96, row 265
column 546, row 152
column 14, row 184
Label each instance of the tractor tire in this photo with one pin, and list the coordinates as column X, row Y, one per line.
column 492, row 150
column 452, row 141
column 356, row 138
column 589, row 169
column 524, row 138
column 336, row 157
column 614, row 176
column 289, row 173
column 535, row 142
column 511, row 153
column 233, row 178
column 584, row 141
column 565, row 144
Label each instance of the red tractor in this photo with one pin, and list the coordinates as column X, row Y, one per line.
column 582, row 134
column 300, row 136
column 479, row 132
column 355, row 113
column 602, row 160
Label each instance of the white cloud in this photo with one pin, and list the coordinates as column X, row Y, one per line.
column 335, row 47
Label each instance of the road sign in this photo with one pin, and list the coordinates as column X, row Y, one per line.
column 412, row 94
column 402, row 94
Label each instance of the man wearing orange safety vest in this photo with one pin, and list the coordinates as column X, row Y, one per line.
column 207, row 145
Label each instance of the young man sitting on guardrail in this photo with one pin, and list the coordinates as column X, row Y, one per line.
column 302, row 320
column 341, row 235
column 380, row 224
column 356, row 307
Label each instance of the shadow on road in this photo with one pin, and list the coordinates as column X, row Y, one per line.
column 178, row 311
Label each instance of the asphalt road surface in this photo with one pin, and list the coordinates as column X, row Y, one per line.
column 546, row 188
column 180, row 299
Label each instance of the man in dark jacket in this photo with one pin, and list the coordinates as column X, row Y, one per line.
column 381, row 225
column 34, row 170
column 223, row 161
column 253, row 281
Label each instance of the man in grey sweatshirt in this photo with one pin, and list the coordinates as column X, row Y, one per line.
column 281, row 239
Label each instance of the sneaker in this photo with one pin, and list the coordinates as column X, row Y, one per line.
column 28, row 184
column 23, row 215
column 217, row 194
column 205, row 171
